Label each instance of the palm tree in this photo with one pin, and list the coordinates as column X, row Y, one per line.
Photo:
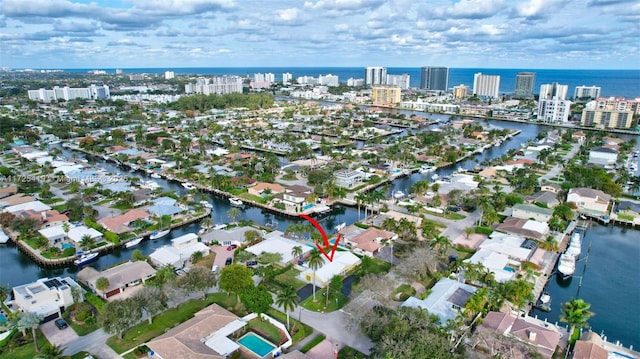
column 441, row 244
column 296, row 251
column 288, row 300
column 315, row 262
column 4, row 292
column 233, row 213
column 52, row 352
column 102, row 284
column 576, row 313
column 206, row 222
column 86, row 241
column 30, row 320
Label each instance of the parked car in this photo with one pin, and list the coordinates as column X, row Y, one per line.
column 252, row 263
column 228, row 261
column 232, row 247
column 61, row 324
column 215, row 268
column 454, row 208
column 179, row 272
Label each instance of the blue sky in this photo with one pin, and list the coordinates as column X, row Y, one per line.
column 581, row 34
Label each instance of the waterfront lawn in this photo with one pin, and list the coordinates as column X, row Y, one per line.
column 267, row 330
column 298, row 330
column 144, row 331
column 336, row 301
column 27, row 350
column 250, row 197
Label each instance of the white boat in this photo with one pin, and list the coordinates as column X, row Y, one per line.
column 3, row 237
column 575, row 245
column 237, row 202
column 398, row 194
column 435, row 176
column 340, row 226
column 160, row 234
column 426, row 169
column 188, row 186
column 566, row 265
column 84, row 258
column 149, row 185
column 206, row 204
column 155, row 175
column 544, row 302
column 133, row 242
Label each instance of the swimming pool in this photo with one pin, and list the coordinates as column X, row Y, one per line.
column 509, row 269
column 3, row 319
column 307, row 206
column 67, row 245
column 259, row 346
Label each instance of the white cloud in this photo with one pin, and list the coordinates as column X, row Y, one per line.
column 290, row 14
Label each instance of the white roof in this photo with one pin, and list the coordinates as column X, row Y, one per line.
column 275, row 243
column 53, row 232
column 184, row 239
column 165, row 255
column 219, row 342
column 495, row 262
column 76, row 233
column 439, row 302
column 341, row 261
column 35, row 154
column 34, row 205
column 69, row 168
column 540, row 227
column 42, row 160
column 506, row 244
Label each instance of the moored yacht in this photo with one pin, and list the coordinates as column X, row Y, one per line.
column 566, row 265
column 426, row 169
column 159, row 234
column 188, row 186
column 236, row 202
column 133, row 242
column 84, row 258
column 575, row 245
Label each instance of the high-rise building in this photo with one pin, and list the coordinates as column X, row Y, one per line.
column 402, row 81
column 525, row 81
column 386, row 94
column 270, row 77
column 375, row 76
column 219, row 85
column 554, row 110
column 586, row 93
column 93, row 92
column 328, row 80
column 287, row 77
column 461, row 91
column 355, row 82
column 434, row 78
column 606, row 114
column 168, row 75
column 486, row 85
column 554, row 90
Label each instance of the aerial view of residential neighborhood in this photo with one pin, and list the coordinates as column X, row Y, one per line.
column 337, row 181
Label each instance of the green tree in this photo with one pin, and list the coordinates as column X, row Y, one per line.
column 296, row 252
column 165, row 274
column 315, row 262
column 335, row 286
column 137, row 255
column 119, row 315
column 256, row 299
column 152, row 300
column 4, row 292
column 52, row 352
column 198, row 279
column 288, row 299
column 87, row 241
column 102, row 284
column 233, row 213
column 440, row 244
column 576, row 313
column 196, row 257
column 235, row 278
column 30, row 320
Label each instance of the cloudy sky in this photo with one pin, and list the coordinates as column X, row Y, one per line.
column 580, row 34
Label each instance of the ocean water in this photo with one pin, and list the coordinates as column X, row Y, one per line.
column 624, row 83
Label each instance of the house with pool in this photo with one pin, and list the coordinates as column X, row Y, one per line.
column 216, row 333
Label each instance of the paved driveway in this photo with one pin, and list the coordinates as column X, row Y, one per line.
column 221, row 255
column 324, row 350
column 57, row 336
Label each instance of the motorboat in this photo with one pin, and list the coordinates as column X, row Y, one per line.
column 426, row 169
column 236, row 202
column 340, row 226
column 435, row 176
column 206, row 204
column 84, row 258
column 149, row 185
column 544, row 302
column 133, row 242
column 575, row 245
column 398, row 194
column 188, row 185
column 155, row 175
column 566, row 265
column 3, row 237
column 159, row 234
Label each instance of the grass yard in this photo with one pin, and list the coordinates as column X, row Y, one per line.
column 27, row 350
column 206, row 261
column 298, row 330
column 290, row 278
column 336, row 301
column 315, row 341
column 267, row 330
column 143, row 332
column 350, row 353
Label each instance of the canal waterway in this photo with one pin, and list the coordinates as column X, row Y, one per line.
column 610, row 266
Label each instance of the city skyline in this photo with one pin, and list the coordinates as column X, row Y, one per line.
column 339, row 33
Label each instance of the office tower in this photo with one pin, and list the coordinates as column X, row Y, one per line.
column 434, row 78
column 586, row 93
column 525, row 81
column 486, row 85
column 460, row 92
column 554, row 90
column 287, row 77
column 554, row 110
column 375, row 76
column 385, row 94
column 402, row 81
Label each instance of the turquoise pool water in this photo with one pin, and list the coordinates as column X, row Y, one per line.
column 307, row 206
column 509, row 269
column 3, row 319
column 256, row 344
column 67, row 245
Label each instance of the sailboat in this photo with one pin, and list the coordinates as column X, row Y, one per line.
column 133, row 242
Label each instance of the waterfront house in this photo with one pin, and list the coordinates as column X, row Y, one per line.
column 205, row 336
column 275, row 242
column 589, row 347
column 531, row 211
column 447, row 298
column 47, row 297
column 120, row 277
column 527, row 228
column 627, row 210
column 55, row 234
column 77, row 233
column 120, row 224
column 228, row 237
column 366, row 242
column 503, row 268
column 530, row 333
column 260, row 188
column 550, row 199
column 550, row 187
column 603, row 156
column 589, row 201
column 347, row 178
column 515, row 247
column 295, row 196
column 180, row 251
column 343, row 262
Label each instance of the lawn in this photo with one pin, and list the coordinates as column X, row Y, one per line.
column 315, row 341
column 336, row 301
column 144, row 332
column 404, row 291
column 206, row 261
column 350, row 353
column 267, row 330
column 258, row 199
column 26, row 351
column 373, row 266
column 290, row 278
column 298, row 330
